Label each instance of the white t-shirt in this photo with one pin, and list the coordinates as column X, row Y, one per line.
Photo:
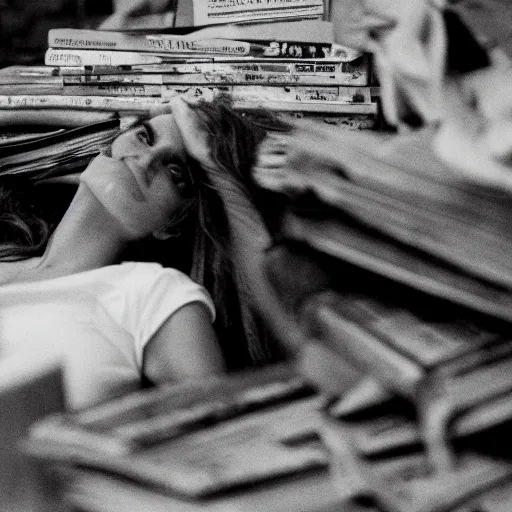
column 98, row 322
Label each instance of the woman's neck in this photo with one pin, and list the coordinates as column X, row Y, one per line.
column 86, row 238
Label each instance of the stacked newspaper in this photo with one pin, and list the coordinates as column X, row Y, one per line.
column 394, row 262
column 49, row 154
column 193, row 440
column 291, row 65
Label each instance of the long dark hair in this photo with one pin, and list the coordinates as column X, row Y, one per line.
column 234, row 138
column 26, row 218
column 201, row 242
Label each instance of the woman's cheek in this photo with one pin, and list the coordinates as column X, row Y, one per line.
column 163, row 198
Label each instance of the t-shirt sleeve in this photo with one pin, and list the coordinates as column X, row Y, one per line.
column 152, row 295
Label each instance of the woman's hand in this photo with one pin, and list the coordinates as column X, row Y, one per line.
column 194, row 133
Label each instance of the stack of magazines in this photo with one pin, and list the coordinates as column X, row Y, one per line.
column 396, row 264
column 290, row 65
column 48, row 154
column 193, row 440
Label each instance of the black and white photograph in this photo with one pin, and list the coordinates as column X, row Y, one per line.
column 253, row 255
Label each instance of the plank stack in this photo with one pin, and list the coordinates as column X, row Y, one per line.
column 397, row 266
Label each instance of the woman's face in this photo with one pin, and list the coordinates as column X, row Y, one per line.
column 144, row 182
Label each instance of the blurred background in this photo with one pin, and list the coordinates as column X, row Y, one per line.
column 24, row 24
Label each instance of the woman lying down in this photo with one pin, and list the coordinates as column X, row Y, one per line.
column 176, row 182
